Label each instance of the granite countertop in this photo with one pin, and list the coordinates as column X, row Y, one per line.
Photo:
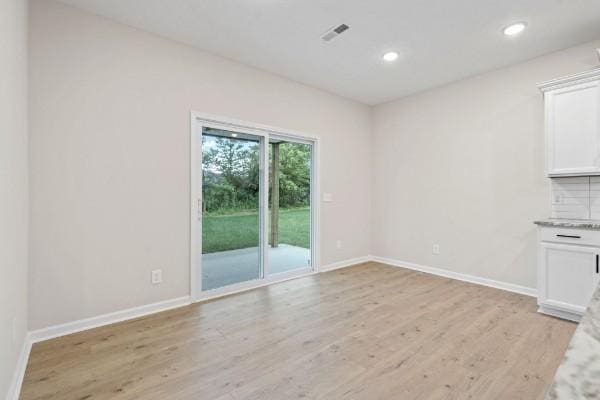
column 578, row 376
column 570, row 223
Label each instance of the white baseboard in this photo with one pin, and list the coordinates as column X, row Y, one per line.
column 123, row 315
column 14, row 390
column 345, row 263
column 555, row 312
column 106, row 319
column 459, row 276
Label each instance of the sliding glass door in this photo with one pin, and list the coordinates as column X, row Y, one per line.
column 289, row 233
column 254, row 217
column 231, row 212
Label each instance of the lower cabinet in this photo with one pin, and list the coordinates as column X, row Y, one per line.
column 568, row 274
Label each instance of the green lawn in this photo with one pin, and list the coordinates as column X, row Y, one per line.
column 238, row 231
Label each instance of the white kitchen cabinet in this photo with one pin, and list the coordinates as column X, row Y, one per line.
column 568, row 270
column 572, row 121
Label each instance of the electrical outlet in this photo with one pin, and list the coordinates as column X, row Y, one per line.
column 557, row 199
column 435, row 249
column 338, row 244
column 156, row 276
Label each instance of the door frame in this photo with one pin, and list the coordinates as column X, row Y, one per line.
column 197, row 122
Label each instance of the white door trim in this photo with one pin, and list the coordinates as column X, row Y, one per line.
column 198, row 120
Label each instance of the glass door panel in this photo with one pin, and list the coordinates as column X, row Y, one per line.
column 290, row 217
column 231, row 212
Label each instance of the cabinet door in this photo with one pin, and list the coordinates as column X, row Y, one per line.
column 573, row 130
column 567, row 276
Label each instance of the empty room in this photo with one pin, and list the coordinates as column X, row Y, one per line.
column 283, row 199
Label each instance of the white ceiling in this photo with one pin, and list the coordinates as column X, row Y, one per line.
column 440, row 40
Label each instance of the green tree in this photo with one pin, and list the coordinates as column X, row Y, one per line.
column 231, row 174
column 294, row 175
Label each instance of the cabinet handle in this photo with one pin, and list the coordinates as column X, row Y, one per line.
column 569, row 236
column 597, row 264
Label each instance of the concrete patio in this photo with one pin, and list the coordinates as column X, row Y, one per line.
column 234, row 266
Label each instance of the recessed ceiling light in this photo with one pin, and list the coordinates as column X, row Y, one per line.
column 390, row 56
column 514, row 29
column 234, row 135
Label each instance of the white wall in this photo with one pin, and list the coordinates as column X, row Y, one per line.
column 13, row 186
column 463, row 166
column 110, row 159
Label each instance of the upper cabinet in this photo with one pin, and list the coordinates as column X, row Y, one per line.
column 572, row 108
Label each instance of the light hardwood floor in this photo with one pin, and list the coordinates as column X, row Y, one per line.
column 364, row 332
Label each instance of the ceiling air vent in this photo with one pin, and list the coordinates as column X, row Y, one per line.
column 334, row 32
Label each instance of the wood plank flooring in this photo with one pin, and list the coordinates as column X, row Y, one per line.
column 364, row 332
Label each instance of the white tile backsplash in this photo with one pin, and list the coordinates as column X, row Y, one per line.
column 571, row 197
column 595, row 197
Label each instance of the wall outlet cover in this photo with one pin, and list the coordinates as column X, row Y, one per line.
column 557, row 199
column 156, row 276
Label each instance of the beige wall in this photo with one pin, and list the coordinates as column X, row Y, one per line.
column 110, row 159
column 13, row 185
column 462, row 166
